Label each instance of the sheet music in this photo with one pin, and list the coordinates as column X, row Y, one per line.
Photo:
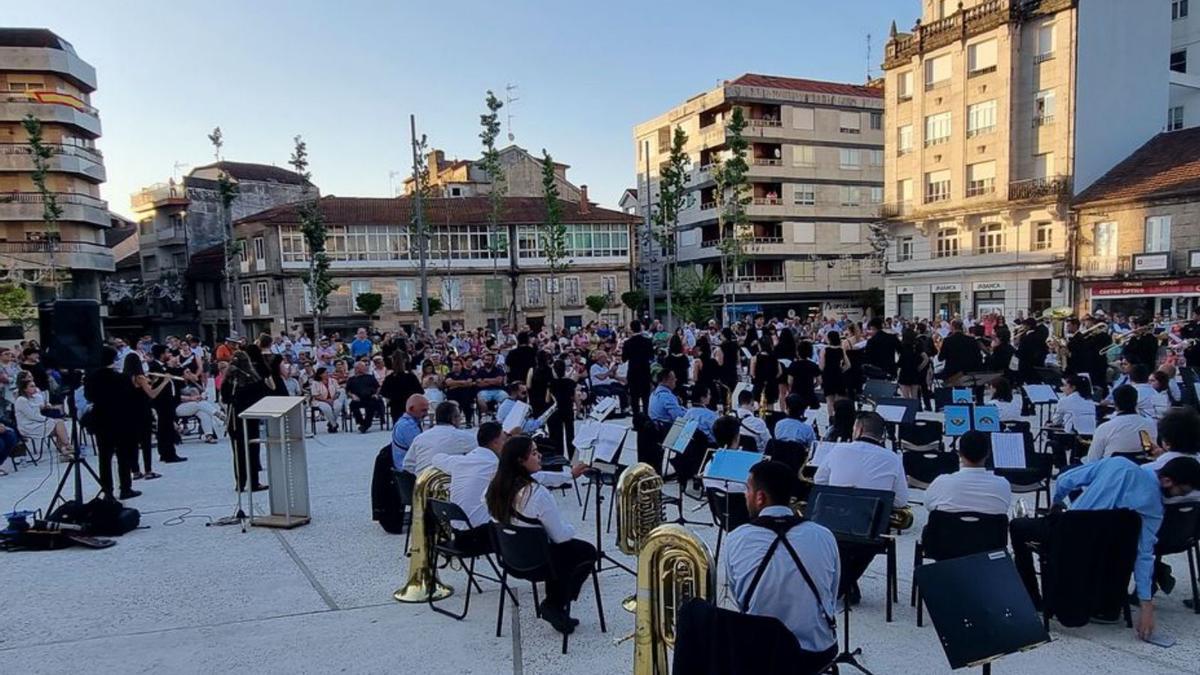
column 746, row 353
column 681, row 440
column 961, row 395
column 546, row 415
column 1040, row 393
column 586, row 433
column 957, row 419
column 891, row 413
column 608, row 440
column 603, row 407
column 1008, row 450
column 673, row 432
column 731, row 465
column 516, row 416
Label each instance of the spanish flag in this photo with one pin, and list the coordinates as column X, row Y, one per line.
column 60, row 98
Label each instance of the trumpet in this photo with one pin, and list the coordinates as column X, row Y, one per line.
column 167, row 376
column 1099, row 326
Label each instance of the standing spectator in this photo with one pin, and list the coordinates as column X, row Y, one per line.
column 638, row 352
column 399, row 385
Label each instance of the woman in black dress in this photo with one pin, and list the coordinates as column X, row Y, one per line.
column 538, row 381
column 242, row 388
column 1000, row 358
column 914, row 363
column 785, row 355
column 708, row 371
column 764, row 372
column 834, row 364
column 138, row 432
column 803, row 374
column 677, row 362
column 730, row 356
column 854, row 342
column 399, row 385
column 561, row 424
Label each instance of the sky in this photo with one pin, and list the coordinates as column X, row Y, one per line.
column 346, row 75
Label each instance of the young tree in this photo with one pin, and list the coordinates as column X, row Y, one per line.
column 673, row 197
column 434, row 305
column 554, row 233
column 16, row 306
column 422, row 190
column 369, row 303
column 490, row 163
column 51, row 211
column 695, row 291
column 597, row 303
column 318, row 281
column 635, row 300
column 733, row 196
column 227, row 192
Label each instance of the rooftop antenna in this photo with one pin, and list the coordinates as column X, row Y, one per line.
column 509, row 99
column 392, row 182
column 868, row 57
column 177, row 167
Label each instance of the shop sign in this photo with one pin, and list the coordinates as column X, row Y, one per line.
column 1151, row 262
column 1187, row 286
column 989, row 285
column 946, row 288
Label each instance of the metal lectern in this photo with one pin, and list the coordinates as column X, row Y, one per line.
column 281, row 433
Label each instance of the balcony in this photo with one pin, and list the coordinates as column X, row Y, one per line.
column 707, row 206
column 49, row 60
column 16, row 105
column 1042, row 120
column 84, row 255
column 768, row 201
column 1040, row 188
column 964, row 24
column 27, row 206
column 763, row 122
column 895, row 209
column 66, row 159
column 158, row 195
column 767, row 161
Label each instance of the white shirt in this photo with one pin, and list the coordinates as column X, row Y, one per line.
column 862, row 464
column 536, row 503
column 1076, row 413
column 470, row 475
column 973, row 489
column 754, row 426
column 599, row 375
column 1010, row 411
column 441, row 439
column 1151, row 403
column 1120, row 434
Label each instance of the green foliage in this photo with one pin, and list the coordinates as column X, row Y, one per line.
column 871, row 300
column 15, row 305
column 51, row 211
column 554, row 232
column 318, row 280
column 635, row 300
column 597, row 303
column 733, row 191
column 490, row 163
column 435, row 305
column 369, row 303
column 225, row 187
column 694, row 295
column 672, row 192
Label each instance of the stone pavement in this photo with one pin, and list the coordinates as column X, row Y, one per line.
column 180, row 597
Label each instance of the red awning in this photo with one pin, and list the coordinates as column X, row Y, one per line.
column 1187, row 286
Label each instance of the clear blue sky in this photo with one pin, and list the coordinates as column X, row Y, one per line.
column 346, row 75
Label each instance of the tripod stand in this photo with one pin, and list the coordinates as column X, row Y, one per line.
column 77, row 461
column 595, row 473
column 848, row 656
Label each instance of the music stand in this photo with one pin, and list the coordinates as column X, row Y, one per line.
column 877, row 390
column 594, row 472
column 980, row 609
column 728, row 466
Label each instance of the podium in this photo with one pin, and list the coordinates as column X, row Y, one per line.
column 281, row 433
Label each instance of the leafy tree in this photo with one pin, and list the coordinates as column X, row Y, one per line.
column 554, row 233
column 635, row 300
column 673, row 198
column 369, row 303
column 434, row 304
column 51, row 211
column 597, row 303
column 422, row 190
column 695, row 292
column 318, row 281
column 227, row 191
column 490, row 163
column 16, row 306
column 733, row 196
column 870, row 300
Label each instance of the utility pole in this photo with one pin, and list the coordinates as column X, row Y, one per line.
column 419, row 220
column 649, row 239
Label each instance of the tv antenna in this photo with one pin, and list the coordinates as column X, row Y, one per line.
column 868, row 57
column 509, row 99
column 392, row 182
column 177, row 167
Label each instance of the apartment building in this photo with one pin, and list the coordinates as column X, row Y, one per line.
column 371, row 251
column 41, row 75
column 816, row 174
column 998, row 113
column 1184, row 110
column 466, row 178
column 1139, row 231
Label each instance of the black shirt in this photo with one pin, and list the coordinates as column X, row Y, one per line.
column 881, row 351
column 363, row 386
column 638, row 352
column 960, row 353
column 461, row 394
column 483, row 373
column 519, row 361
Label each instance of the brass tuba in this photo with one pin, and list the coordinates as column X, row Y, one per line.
column 674, row 566
column 639, row 511
column 422, row 584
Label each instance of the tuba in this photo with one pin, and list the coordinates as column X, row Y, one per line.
column 639, row 511
column 674, row 566
column 422, row 584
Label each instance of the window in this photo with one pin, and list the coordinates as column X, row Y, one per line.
column 149, row 262
column 357, row 288
column 876, row 121
column 937, row 129
column 904, row 249
column 849, row 122
column 937, row 186
column 1158, row 234
column 850, row 195
column 981, row 118
column 804, row 233
column 594, row 240
column 874, row 157
column 1179, row 9
column 241, row 249
column 804, row 194
column 1045, row 43
column 937, row 72
column 1179, row 61
column 849, row 158
column 246, row 295
column 15, row 84
column 146, row 226
column 570, row 291
column 904, row 139
column 608, row 285
column 981, row 179
column 406, row 295
column 533, row 292
column 264, row 298
column 849, row 233
column 493, row 295
column 260, row 249
column 1043, row 236
column 372, row 242
column 904, row 305
column 1104, row 240
column 802, row 118
column 991, row 239
column 876, row 195
column 803, row 270
column 981, row 57
column 1175, row 118
column 947, row 242
column 456, row 191
column 179, row 260
column 1043, row 166
column 1043, row 107
column 945, row 8
column 904, row 86
column 452, row 294
column 904, row 190
column 804, row 155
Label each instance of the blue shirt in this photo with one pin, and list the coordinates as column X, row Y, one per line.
column 531, row 425
column 704, row 420
column 664, row 407
column 360, row 347
column 1117, row 483
column 789, row 429
column 406, row 429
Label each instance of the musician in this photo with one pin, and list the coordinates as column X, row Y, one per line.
column 1142, row 346
column 959, row 352
column 1079, row 357
column 1096, row 341
column 515, row 499
column 242, row 388
column 973, row 488
column 1031, row 351
column 106, row 388
column 1150, row 402
column 751, row 424
column 1001, row 396
column 664, row 407
column 882, row 348
column 794, row 428
column 1112, row 483
column 517, row 391
column 1176, row 438
column 445, row 437
column 1122, row 433
column 1191, row 331
column 701, row 412
column 408, row 427
column 638, row 352
column 164, row 406
column 1075, row 410
column 1001, row 354
column 784, row 566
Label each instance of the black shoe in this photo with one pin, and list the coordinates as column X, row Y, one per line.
column 332, row 429
column 173, row 460
column 556, row 617
column 260, row 487
column 129, row 494
column 855, row 595
column 1166, row 581
column 1106, row 619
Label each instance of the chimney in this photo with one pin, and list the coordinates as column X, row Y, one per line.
column 434, row 160
column 584, row 206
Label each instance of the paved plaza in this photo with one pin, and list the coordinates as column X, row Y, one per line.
column 181, row 597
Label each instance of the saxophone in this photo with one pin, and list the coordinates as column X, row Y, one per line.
column 674, row 566
column 422, row 584
column 639, row 511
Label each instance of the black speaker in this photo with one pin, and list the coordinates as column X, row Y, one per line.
column 71, row 333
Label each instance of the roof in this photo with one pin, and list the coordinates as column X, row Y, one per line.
column 32, row 37
column 257, row 172
column 116, row 235
column 1168, row 165
column 800, row 84
column 454, row 210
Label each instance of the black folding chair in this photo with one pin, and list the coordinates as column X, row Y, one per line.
column 922, row 432
column 444, row 518
column 524, row 553
column 1107, row 541
column 1178, row 533
column 728, row 511
column 953, row 535
column 876, row 390
column 406, row 481
column 923, row 463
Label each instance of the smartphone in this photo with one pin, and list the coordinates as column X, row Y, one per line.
column 1145, row 436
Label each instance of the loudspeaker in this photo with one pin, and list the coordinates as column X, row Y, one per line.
column 71, row 333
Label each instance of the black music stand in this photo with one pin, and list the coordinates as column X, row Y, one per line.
column 594, row 473
column 980, row 609
column 859, row 516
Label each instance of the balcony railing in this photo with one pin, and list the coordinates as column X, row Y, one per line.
column 90, row 154
column 965, row 23
column 972, row 133
column 765, row 240
column 46, row 246
column 768, row 201
column 760, row 278
column 706, row 206
column 929, row 142
column 894, row 209
column 767, row 161
column 47, row 98
column 16, row 197
column 157, row 193
column 1038, row 188
column 764, row 122
column 1042, row 120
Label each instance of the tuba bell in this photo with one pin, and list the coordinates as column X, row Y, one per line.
column 639, row 511
column 422, row 584
column 674, row 566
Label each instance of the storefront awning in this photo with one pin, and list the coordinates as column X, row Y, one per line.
column 1135, row 289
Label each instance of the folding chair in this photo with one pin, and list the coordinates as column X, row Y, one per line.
column 406, row 481
column 1178, row 533
column 445, row 515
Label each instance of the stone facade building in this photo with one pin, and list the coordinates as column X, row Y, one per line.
column 465, row 178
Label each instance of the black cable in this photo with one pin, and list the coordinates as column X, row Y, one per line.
column 179, row 519
column 27, row 495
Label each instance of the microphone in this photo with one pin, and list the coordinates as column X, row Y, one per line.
column 56, row 526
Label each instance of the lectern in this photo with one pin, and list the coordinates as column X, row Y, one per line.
column 281, row 434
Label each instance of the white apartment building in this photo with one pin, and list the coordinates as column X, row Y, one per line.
column 1184, row 111
column 998, row 113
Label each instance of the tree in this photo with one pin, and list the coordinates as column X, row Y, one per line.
column 318, row 281
column 673, row 197
column 16, row 307
column 369, row 303
column 733, row 196
column 554, row 234
column 597, row 303
column 434, row 304
column 51, row 211
column 490, row 163
column 695, row 292
column 420, row 231
column 635, row 300
column 233, row 249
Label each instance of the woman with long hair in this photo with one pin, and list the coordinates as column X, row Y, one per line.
column 140, row 429
column 537, row 381
column 561, row 424
column 242, row 388
column 32, row 422
column 514, row 499
column 834, row 364
column 707, row 371
column 765, row 371
column 785, row 354
column 913, row 362
column 841, row 422
column 399, row 385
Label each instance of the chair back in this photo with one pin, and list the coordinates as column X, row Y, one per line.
column 876, row 390
column 924, row 463
column 1089, row 562
column 1179, row 529
column 728, row 509
column 792, row 453
column 953, row 535
column 748, row 443
column 406, row 481
column 942, row 397
column 922, row 432
column 522, row 551
column 445, row 516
